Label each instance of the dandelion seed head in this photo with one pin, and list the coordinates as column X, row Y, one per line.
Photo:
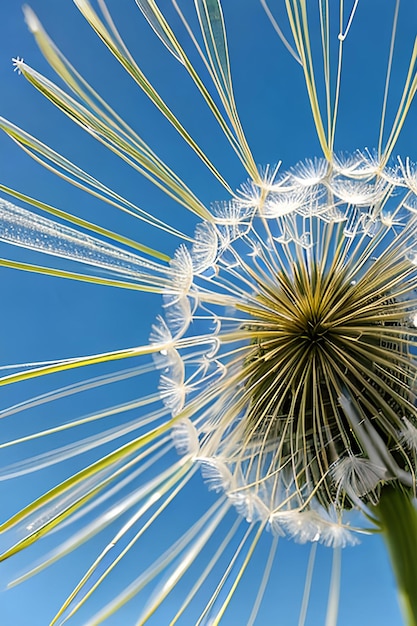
column 204, row 250
column 185, row 438
column 285, row 346
column 299, row 327
column 310, row 172
column 160, row 334
column 279, row 204
column 182, row 271
column 358, row 476
column 408, row 434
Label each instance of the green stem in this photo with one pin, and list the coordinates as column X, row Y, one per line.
column 398, row 519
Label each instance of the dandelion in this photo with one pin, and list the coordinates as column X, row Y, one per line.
column 285, row 349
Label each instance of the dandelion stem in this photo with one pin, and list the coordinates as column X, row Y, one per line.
column 398, row 519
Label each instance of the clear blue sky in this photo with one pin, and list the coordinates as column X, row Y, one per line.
column 45, row 318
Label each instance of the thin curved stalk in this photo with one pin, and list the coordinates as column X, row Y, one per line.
column 398, row 520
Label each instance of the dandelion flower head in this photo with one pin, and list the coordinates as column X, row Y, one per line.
column 285, row 346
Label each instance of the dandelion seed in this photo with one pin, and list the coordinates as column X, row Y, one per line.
column 285, row 349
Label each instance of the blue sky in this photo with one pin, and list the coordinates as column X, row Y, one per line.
column 45, row 318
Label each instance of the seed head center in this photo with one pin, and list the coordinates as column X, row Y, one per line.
column 315, row 331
